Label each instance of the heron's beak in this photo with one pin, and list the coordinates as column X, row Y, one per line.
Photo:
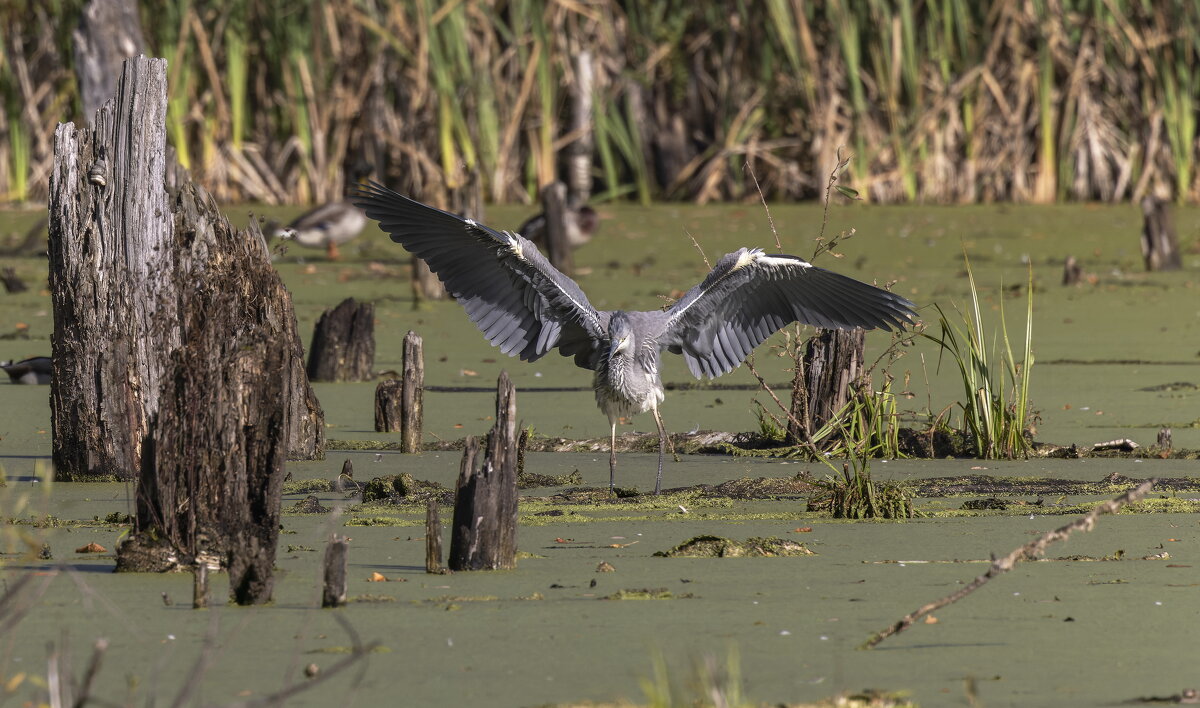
column 618, row 346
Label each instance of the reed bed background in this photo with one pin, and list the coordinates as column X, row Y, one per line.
column 946, row 101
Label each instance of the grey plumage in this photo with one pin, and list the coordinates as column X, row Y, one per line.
column 526, row 307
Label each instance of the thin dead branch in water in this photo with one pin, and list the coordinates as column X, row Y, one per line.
column 763, row 199
column 1030, row 550
column 698, row 248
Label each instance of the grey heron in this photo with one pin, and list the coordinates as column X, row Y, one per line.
column 526, row 307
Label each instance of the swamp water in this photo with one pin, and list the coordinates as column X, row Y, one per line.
column 1111, row 356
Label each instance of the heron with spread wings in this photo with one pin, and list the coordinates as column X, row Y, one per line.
column 526, row 307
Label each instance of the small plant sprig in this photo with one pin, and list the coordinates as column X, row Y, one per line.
column 824, row 246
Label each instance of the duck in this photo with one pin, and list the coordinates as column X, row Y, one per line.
column 582, row 223
column 329, row 225
column 35, row 370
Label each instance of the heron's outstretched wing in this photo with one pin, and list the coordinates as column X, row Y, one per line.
column 750, row 295
column 510, row 291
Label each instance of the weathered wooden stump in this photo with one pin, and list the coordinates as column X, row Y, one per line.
column 399, row 403
column 484, row 534
column 1160, row 248
column 1072, row 271
column 176, row 357
column 200, row 586
column 433, row 538
column 336, row 557
column 343, row 343
column 558, row 248
column 12, row 282
column 833, row 360
column 1164, row 439
column 579, row 154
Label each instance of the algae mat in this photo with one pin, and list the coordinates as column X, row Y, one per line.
column 1066, row 632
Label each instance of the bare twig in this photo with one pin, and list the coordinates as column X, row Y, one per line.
column 1030, row 550
column 701, row 250
column 833, row 178
column 763, row 199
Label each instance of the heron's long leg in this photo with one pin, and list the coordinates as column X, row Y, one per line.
column 662, row 449
column 612, row 458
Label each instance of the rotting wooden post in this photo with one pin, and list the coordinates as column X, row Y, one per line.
column 554, row 206
column 200, row 586
column 1160, row 248
column 343, row 343
column 1164, row 439
column 484, row 534
column 833, row 359
column 433, row 538
column 1072, row 271
column 336, row 556
column 346, row 478
column 412, row 393
column 387, row 405
column 12, row 282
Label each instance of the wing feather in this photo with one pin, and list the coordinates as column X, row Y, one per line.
column 749, row 296
column 519, row 301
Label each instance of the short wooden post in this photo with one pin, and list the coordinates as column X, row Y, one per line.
column 554, row 206
column 387, row 406
column 336, row 554
column 484, row 536
column 433, row 538
column 1160, row 248
column 1072, row 271
column 1164, row 439
column 343, row 343
column 12, row 282
column 412, row 393
column 833, row 359
column 200, row 585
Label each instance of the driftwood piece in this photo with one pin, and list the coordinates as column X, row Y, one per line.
column 343, row 343
column 833, row 360
column 433, row 538
column 336, row 558
column 558, row 248
column 484, row 534
column 1160, row 248
column 109, row 32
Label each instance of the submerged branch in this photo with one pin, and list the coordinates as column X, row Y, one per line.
column 1030, row 550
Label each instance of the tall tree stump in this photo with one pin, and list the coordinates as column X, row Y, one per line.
column 833, row 360
column 484, row 534
column 125, row 260
column 1160, row 248
column 558, row 248
column 176, row 355
column 399, row 404
column 343, row 343
column 433, row 538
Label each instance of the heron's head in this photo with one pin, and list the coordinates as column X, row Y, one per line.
column 620, row 335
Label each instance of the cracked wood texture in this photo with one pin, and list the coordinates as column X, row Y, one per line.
column 484, row 533
column 176, row 353
column 343, row 343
